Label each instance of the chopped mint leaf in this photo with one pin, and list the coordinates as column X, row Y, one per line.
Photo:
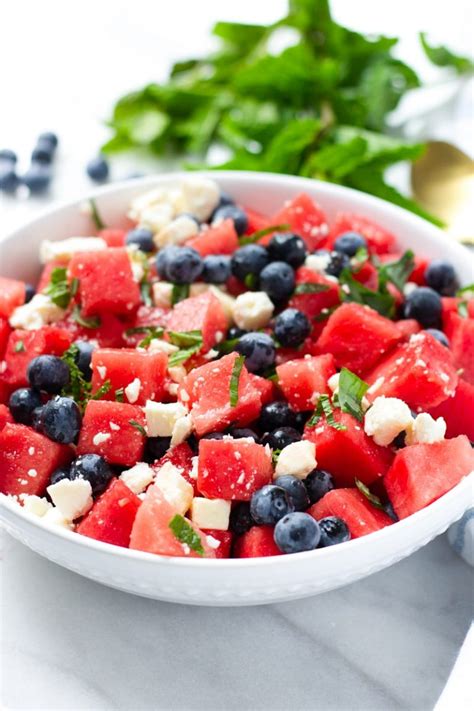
column 275, row 454
column 251, row 281
column 145, row 292
column 324, row 407
column 256, row 236
column 103, row 390
column 179, row 293
column 397, row 272
column 185, row 534
column 138, row 427
column 150, row 332
column 19, row 347
column 463, row 309
column 78, row 387
column 467, row 291
column 310, row 288
column 74, row 288
column 189, row 343
column 234, row 380
column 98, row 221
column 350, row 392
column 226, row 347
column 92, row 322
column 361, row 256
column 384, row 303
column 58, row 289
column 120, row 395
column 374, row 500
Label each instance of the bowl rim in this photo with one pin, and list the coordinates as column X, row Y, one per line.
column 262, row 179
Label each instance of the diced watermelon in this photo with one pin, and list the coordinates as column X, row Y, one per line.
column 109, row 334
column 111, row 518
column 256, row 221
column 5, row 416
column 265, row 387
column 418, row 274
column 358, row 337
column 256, row 543
column 312, row 304
column 122, row 367
column 352, row 506
column 218, row 239
column 422, row 473
column 450, row 304
column 114, row 236
column 420, row 372
column 408, row 327
column 200, row 313
column 27, row 460
column 460, row 332
column 23, row 346
column 308, row 348
column 305, row 218
column 348, row 454
column 367, row 275
column 303, row 381
column 207, row 389
column 4, row 333
column 107, row 430
column 458, row 411
column 146, row 316
column 379, row 240
column 181, row 457
column 151, row 530
column 225, row 541
column 232, row 469
column 106, row 282
column 12, row 294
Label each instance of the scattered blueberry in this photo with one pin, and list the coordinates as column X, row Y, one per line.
column 277, row 279
column 8, row 178
column 8, row 156
column 213, row 435
column 30, row 291
column 84, row 357
column 94, row 469
column 287, row 247
column 37, row 178
column 61, row 420
column 301, row 420
column 43, row 153
column 98, row 169
column 333, row 530
column 424, row 305
column 281, row 437
column 48, row 137
column 156, row 447
column 441, row 276
column 236, row 214
column 276, row 414
column 142, row 238
column 184, row 266
column 292, row 327
column 59, row 475
column 337, row 262
column 318, row 483
column 241, row 432
column 258, row 349
column 269, row 504
column 297, row 532
column 439, row 335
column 349, row 243
column 400, row 440
column 48, row 373
column 225, row 199
column 240, row 519
column 216, row 269
column 250, row 259
column 162, row 258
column 295, row 489
column 22, row 404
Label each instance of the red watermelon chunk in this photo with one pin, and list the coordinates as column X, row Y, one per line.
column 458, row 411
column 265, row 387
column 109, row 334
column 407, row 327
column 218, row 239
column 450, row 304
column 5, row 416
column 111, row 518
column 305, row 218
column 181, row 457
column 27, row 460
column 312, row 304
column 303, row 381
column 113, row 236
column 358, row 337
column 225, row 541
column 460, row 332
column 256, row 543
column 107, row 430
column 256, row 221
column 232, row 469
column 122, row 367
column 422, row 473
column 348, row 454
column 106, row 282
column 23, row 346
column 5, row 331
column 352, row 506
column 379, row 240
column 200, row 313
column 12, row 294
column 367, row 275
column 420, row 372
column 146, row 316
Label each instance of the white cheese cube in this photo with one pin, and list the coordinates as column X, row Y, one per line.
column 425, row 429
column 132, row 391
column 200, row 196
column 36, row 313
column 177, row 231
column 181, row 430
column 136, row 262
column 226, row 300
column 176, row 490
column 210, row 513
column 252, row 310
column 156, row 217
column 138, row 477
column 73, row 497
column 161, row 417
column 54, row 517
column 317, row 262
column 297, row 459
column 35, row 504
column 64, row 249
column 387, row 417
column 158, row 344
column 162, row 291
column 333, row 382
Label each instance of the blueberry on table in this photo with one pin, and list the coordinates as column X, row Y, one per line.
column 184, row 266
column 277, row 280
column 297, row 532
column 48, row 373
column 43, row 153
column 9, row 180
column 333, row 530
column 276, row 414
column 30, row 291
column 349, row 243
column 243, row 432
column 155, row 448
column 83, row 358
column 269, row 504
column 240, row 519
column 258, row 349
column 439, row 335
column 48, row 137
column 162, row 259
column 318, row 483
column 287, row 247
column 295, row 489
column 250, row 259
column 61, row 420
column 337, row 262
column 37, row 178
column 281, row 437
column 94, row 469
column 98, row 169
column 8, row 156
column 424, row 305
column 23, row 403
column 216, row 269
column 234, row 213
column 292, row 327
column 142, row 238
column 441, row 276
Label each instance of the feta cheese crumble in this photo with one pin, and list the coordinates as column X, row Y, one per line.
column 181, row 430
column 297, row 459
column 425, row 429
column 38, row 312
column 252, row 310
column 132, row 391
column 177, row 231
column 35, row 504
column 200, row 197
column 161, row 417
column 138, row 477
column 387, row 417
column 176, row 490
column 210, row 513
column 64, row 249
column 72, row 497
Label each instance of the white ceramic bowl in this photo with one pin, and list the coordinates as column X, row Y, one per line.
column 244, row 581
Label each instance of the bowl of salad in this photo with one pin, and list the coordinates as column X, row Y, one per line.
column 233, row 388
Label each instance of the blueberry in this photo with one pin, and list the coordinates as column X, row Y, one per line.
column 225, row 199
column 424, row 305
column 240, row 519
column 318, row 483
column 250, row 259
column 390, row 511
column 48, row 373
column 258, row 349
column 98, row 169
column 84, row 357
column 61, row 420
column 400, row 440
column 30, row 291
column 297, row 532
column 22, row 404
column 43, row 153
column 142, row 238
column 37, row 178
column 278, row 281
column 287, row 247
column 441, row 277
column 48, row 137
column 8, row 156
column 36, row 418
column 333, row 530
column 59, row 475
column 93, row 469
column 162, row 258
column 292, row 327
column 295, row 489
column 155, row 448
column 235, row 332
column 213, row 435
column 216, row 269
column 184, row 266
column 236, row 214
column 276, row 414
column 269, row 504
column 349, row 243
column 439, row 335
column 281, row 437
column 240, row 432
column 8, row 178
column 337, row 262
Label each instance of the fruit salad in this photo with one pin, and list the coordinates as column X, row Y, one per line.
column 203, row 380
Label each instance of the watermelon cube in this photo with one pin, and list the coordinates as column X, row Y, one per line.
column 225, row 541
column 109, row 334
column 111, row 518
column 379, row 240
column 358, row 337
column 200, row 313
column 265, row 387
column 348, row 454
column 421, row 372
column 4, row 333
column 12, row 294
column 422, row 473
column 27, row 460
column 256, row 221
column 107, row 430
column 256, row 543
column 303, row 381
column 408, row 327
column 359, row 514
column 460, row 332
column 23, row 346
column 5, row 416
column 232, row 469
column 181, row 457
column 113, row 236
column 306, row 219
column 141, row 374
column 218, row 239
column 458, row 411
column 312, row 304
column 106, row 282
